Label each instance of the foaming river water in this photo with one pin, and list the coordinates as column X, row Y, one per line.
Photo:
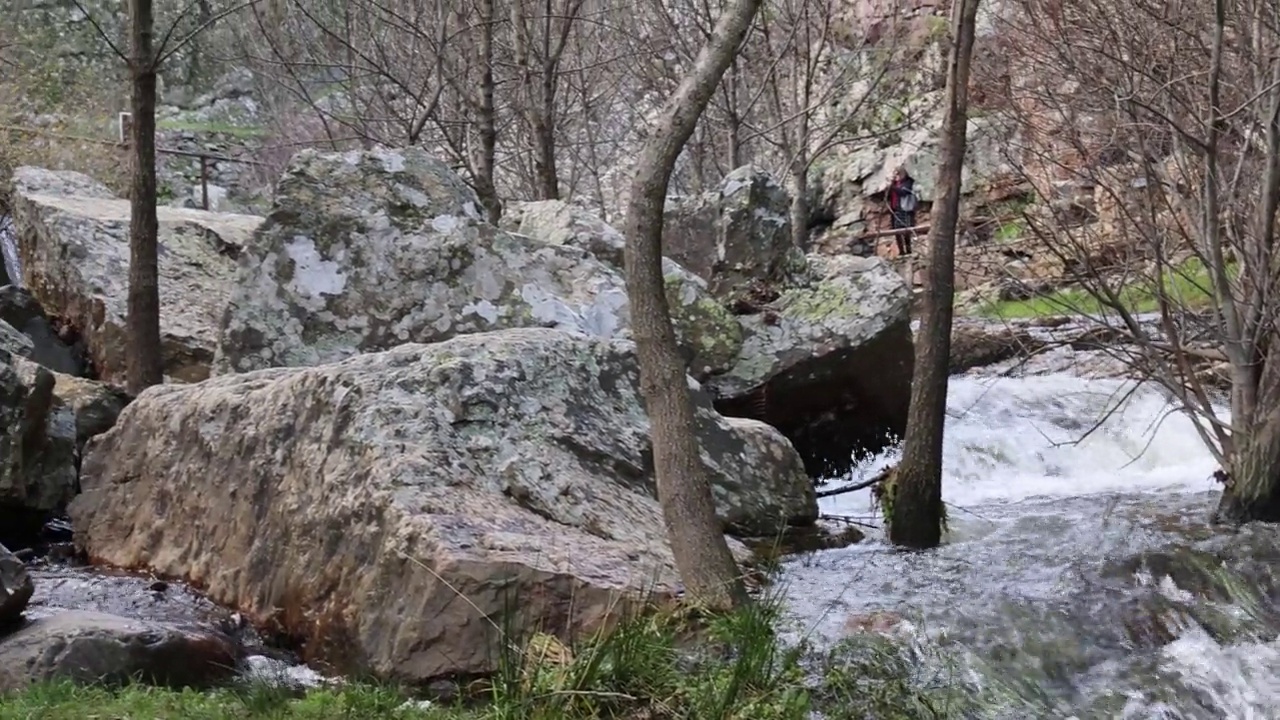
column 1080, row 578
column 9, row 251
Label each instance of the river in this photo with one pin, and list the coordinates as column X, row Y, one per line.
column 1078, row 580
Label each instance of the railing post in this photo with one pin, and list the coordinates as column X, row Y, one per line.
column 204, row 181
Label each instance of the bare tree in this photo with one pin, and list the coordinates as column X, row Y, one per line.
column 916, row 511
column 1171, row 114
column 539, row 41
column 145, row 362
column 144, row 59
column 814, row 86
column 684, row 489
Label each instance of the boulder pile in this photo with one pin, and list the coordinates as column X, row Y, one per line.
column 421, row 422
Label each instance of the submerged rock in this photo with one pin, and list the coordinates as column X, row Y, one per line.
column 977, row 346
column 89, row 647
column 15, row 587
column 829, row 362
column 389, row 509
column 73, row 237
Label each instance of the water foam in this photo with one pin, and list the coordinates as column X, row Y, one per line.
column 1013, row 439
column 9, row 251
column 1070, row 482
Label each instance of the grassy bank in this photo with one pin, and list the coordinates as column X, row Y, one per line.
column 656, row 667
column 1188, row 287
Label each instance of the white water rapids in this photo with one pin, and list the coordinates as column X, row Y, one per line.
column 9, row 251
column 1062, row 578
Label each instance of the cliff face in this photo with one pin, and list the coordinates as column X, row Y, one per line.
column 1038, row 150
column 904, row 124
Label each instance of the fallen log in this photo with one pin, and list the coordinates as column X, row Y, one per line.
column 879, row 478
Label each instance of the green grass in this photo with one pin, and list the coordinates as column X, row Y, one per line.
column 1187, row 286
column 658, row 666
column 239, row 131
column 1008, row 232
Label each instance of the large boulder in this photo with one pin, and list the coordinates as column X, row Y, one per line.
column 733, row 235
column 365, row 251
column 37, row 443
column 49, row 346
column 708, row 333
column 394, row 510
column 14, row 342
column 16, row 587
column 828, row 362
column 823, row 352
column 560, row 223
column 93, row 405
column 73, row 235
column 94, row 648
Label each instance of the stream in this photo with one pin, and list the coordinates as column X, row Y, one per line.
column 10, row 262
column 1079, row 579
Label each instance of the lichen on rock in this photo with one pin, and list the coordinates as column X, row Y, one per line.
column 829, row 362
column 73, row 235
column 356, row 501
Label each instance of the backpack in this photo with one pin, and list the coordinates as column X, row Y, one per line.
column 907, row 201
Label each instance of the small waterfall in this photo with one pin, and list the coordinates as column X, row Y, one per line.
column 1080, row 577
column 9, row 251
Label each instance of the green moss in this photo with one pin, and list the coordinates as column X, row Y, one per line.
column 1188, row 286
column 223, row 128
column 705, row 326
column 819, row 303
column 938, row 27
column 1010, row 231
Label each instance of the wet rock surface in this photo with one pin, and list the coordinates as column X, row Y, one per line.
column 37, row 444
column 977, row 346
column 92, row 647
column 15, row 588
column 56, row 348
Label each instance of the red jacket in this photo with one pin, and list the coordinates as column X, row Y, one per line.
column 898, row 189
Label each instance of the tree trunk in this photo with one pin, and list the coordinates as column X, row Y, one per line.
column 1252, row 489
column 486, row 188
column 916, row 511
column 697, row 540
column 146, row 366
column 544, row 159
column 800, row 203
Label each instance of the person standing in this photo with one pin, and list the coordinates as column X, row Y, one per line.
column 902, row 208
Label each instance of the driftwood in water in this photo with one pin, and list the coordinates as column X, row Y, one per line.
column 879, row 478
